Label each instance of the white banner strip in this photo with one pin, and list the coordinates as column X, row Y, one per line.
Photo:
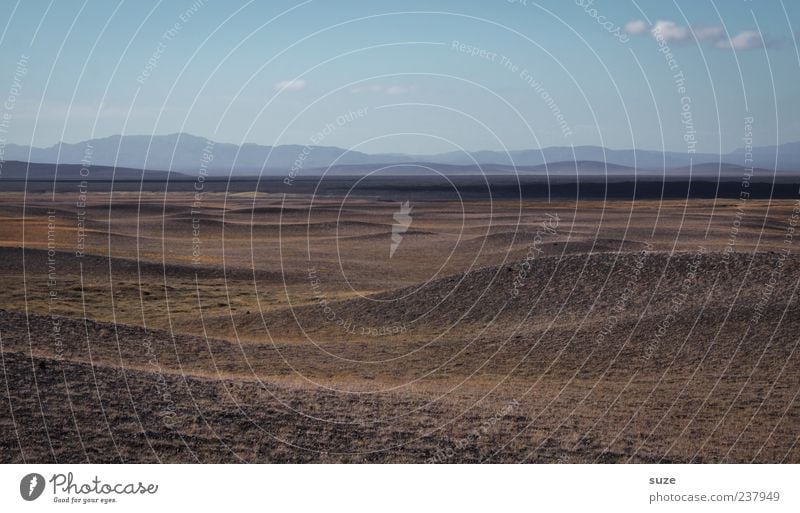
column 399, row 488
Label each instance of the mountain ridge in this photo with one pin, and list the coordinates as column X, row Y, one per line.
column 189, row 153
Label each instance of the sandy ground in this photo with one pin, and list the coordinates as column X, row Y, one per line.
column 265, row 328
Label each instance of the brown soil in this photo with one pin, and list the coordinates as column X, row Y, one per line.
column 630, row 332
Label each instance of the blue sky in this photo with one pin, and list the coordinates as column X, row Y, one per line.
column 549, row 73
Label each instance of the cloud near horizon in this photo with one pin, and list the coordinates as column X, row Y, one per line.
column 745, row 40
column 672, row 32
column 635, row 27
column 291, row 85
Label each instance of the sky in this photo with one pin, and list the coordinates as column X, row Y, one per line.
column 405, row 77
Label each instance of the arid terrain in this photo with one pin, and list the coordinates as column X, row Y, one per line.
column 256, row 327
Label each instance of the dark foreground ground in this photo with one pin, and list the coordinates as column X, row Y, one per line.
column 272, row 328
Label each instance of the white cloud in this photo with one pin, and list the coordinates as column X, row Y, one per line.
column 635, row 27
column 395, row 89
column 670, row 31
column 745, row 40
column 391, row 90
column 292, row 85
column 709, row 33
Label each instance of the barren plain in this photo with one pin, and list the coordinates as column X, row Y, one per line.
column 256, row 327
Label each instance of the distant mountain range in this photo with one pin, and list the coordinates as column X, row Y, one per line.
column 187, row 153
column 582, row 171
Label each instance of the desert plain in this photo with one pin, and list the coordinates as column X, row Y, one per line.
column 255, row 327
